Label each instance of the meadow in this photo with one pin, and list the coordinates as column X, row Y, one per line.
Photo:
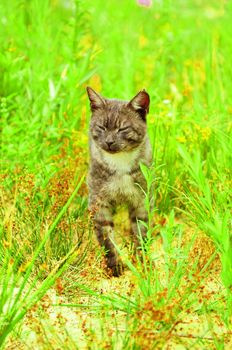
column 55, row 292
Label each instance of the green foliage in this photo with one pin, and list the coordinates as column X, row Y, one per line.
column 18, row 293
column 181, row 53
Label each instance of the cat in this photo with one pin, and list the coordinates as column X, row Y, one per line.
column 118, row 142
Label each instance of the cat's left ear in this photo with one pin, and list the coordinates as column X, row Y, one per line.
column 140, row 103
column 96, row 101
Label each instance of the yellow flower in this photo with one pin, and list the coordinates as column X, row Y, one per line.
column 12, row 49
column 86, row 42
column 95, row 82
column 197, row 127
column 143, row 41
column 22, row 268
column 6, row 244
column 205, row 133
column 181, row 139
column 43, row 266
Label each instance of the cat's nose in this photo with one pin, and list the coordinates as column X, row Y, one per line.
column 109, row 143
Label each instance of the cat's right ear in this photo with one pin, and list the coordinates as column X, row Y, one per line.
column 140, row 103
column 96, row 101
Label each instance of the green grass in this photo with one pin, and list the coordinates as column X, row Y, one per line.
column 54, row 291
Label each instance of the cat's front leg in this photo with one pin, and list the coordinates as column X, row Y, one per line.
column 104, row 230
column 136, row 215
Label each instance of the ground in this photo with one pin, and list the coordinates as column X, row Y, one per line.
column 55, row 290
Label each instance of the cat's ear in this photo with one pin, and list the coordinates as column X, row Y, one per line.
column 140, row 103
column 96, row 101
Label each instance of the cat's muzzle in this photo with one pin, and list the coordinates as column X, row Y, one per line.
column 111, row 147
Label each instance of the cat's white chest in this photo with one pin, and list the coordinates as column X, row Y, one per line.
column 121, row 162
column 123, row 185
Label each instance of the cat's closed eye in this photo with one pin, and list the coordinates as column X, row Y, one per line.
column 126, row 128
column 101, row 127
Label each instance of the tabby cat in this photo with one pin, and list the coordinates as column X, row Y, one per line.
column 118, row 143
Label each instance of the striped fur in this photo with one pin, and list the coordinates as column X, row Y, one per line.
column 118, row 144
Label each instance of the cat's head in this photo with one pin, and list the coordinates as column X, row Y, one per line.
column 116, row 125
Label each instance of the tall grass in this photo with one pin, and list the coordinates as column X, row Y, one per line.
column 180, row 52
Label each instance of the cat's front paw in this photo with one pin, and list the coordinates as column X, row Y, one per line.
column 116, row 268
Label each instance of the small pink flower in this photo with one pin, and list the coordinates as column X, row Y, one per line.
column 146, row 3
